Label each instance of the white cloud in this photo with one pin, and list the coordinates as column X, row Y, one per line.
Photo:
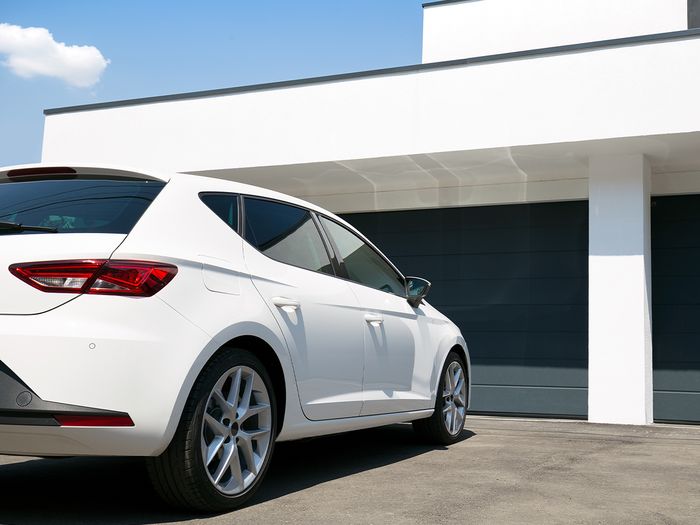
column 32, row 51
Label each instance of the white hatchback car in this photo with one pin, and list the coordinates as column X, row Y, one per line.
column 196, row 321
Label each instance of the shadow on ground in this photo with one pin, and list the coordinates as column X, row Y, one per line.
column 117, row 490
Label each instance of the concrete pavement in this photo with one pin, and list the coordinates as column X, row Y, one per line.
column 503, row 471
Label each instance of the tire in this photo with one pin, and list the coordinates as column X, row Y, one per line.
column 182, row 475
column 445, row 426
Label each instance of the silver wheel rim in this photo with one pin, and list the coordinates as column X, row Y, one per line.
column 235, row 434
column 454, row 397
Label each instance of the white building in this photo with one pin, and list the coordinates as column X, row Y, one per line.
column 541, row 167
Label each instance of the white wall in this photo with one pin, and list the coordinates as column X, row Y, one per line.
column 628, row 91
column 485, row 27
column 619, row 291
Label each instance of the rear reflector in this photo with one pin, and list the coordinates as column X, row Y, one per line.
column 96, row 276
column 94, row 421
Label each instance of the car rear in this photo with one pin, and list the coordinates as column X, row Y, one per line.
column 85, row 343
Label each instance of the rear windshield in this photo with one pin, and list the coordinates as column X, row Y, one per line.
column 77, row 205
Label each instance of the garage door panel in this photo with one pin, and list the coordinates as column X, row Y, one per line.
column 520, row 239
column 521, row 318
column 675, row 262
column 676, row 289
column 677, row 406
column 475, row 218
column 554, row 347
column 495, row 265
column 515, row 280
column 675, row 350
column 675, row 233
column 565, row 402
column 530, row 372
column 676, row 319
column 508, row 291
column 684, row 378
column 680, row 208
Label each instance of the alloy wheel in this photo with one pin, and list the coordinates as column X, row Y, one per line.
column 454, row 398
column 235, row 434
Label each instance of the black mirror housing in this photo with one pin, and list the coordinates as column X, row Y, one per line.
column 416, row 290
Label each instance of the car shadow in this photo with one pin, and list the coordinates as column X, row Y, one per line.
column 117, row 490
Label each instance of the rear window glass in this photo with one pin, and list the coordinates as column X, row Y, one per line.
column 78, row 205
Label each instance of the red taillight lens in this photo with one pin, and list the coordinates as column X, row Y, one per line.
column 135, row 278
column 132, row 278
column 94, row 421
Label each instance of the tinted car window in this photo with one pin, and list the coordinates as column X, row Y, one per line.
column 362, row 263
column 225, row 205
column 77, row 205
column 285, row 233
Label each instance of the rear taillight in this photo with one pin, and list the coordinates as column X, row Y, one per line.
column 104, row 277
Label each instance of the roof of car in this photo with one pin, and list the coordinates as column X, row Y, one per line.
column 203, row 182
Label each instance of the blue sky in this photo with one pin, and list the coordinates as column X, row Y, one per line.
column 158, row 47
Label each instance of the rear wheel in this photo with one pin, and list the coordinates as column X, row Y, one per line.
column 223, row 445
column 445, row 426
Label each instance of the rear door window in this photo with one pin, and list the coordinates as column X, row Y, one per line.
column 286, row 233
column 77, row 205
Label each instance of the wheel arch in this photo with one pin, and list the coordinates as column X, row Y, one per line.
column 273, row 365
column 461, row 350
column 449, row 344
column 267, row 346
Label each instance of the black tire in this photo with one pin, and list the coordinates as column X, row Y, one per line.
column 433, row 429
column 179, row 474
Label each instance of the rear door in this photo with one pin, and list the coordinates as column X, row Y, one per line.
column 318, row 314
column 60, row 218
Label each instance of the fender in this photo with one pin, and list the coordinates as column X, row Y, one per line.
column 254, row 329
column 447, row 344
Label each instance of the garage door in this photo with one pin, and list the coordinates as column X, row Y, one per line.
column 675, row 231
column 515, row 280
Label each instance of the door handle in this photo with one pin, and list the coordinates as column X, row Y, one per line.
column 288, row 305
column 374, row 319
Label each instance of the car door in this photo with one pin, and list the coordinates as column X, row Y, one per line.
column 397, row 365
column 317, row 312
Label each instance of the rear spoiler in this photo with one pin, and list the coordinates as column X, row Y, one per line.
column 35, row 173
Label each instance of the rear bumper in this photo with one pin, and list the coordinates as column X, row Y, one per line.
column 96, row 355
column 20, row 405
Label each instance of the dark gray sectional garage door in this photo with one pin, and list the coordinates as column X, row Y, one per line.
column 675, row 231
column 515, row 280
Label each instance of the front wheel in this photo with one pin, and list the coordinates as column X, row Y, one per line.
column 222, row 447
column 445, row 426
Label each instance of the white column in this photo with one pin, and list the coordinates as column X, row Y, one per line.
column 619, row 303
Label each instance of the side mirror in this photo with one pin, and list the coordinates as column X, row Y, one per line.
column 416, row 290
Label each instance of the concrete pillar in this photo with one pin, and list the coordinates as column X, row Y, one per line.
column 619, row 307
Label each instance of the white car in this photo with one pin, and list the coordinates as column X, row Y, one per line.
column 197, row 321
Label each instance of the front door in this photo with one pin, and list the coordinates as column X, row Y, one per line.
column 395, row 333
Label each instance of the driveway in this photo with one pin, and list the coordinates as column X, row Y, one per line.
column 503, row 471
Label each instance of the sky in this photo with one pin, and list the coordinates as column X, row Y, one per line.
column 87, row 51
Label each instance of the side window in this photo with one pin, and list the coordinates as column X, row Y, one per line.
column 362, row 263
column 225, row 205
column 285, row 233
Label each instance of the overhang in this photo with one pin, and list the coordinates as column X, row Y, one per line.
column 507, row 128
